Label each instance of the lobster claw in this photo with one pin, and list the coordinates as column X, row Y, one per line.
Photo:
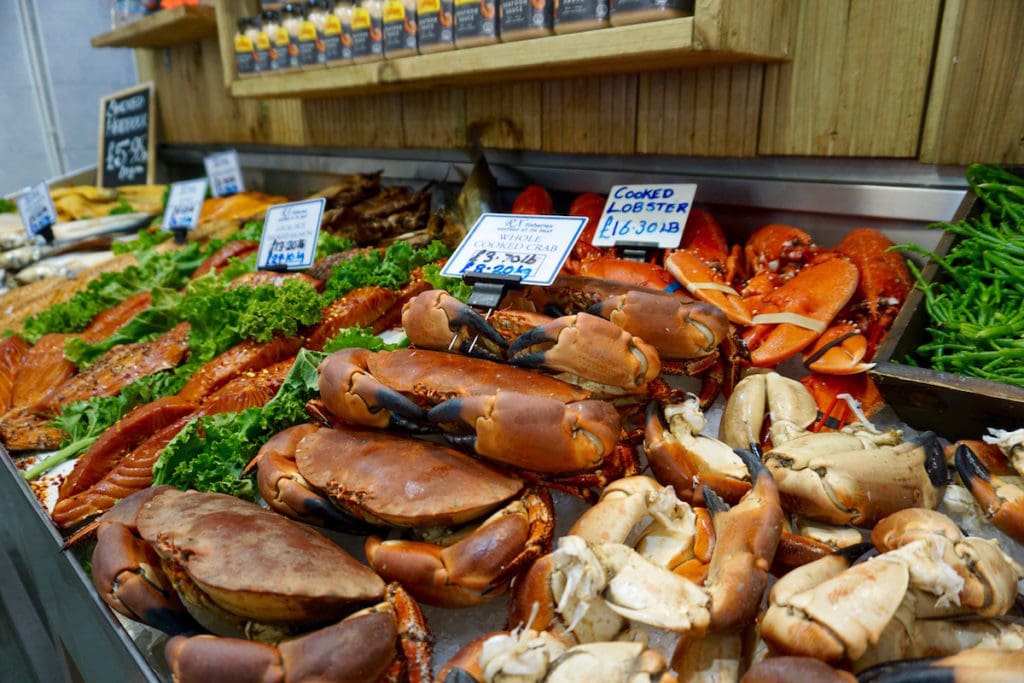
column 793, row 316
column 707, row 285
column 839, row 351
column 437, row 320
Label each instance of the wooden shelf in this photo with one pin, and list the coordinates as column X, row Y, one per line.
column 653, row 46
column 185, row 24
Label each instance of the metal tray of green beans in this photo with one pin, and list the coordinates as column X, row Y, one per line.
column 949, row 402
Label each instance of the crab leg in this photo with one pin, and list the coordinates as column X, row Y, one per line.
column 1001, row 502
column 477, row 568
column 746, row 537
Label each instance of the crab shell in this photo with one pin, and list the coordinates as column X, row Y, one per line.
column 378, row 477
column 238, row 559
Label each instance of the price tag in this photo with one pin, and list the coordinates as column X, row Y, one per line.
column 184, row 202
column 645, row 213
column 290, row 232
column 36, row 208
column 532, row 247
column 224, row 173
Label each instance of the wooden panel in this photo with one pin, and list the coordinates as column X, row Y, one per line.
column 435, row 119
column 194, row 107
column 761, row 27
column 506, row 116
column 701, row 112
column 856, row 84
column 353, row 121
column 590, row 115
column 975, row 110
column 228, row 14
column 184, row 24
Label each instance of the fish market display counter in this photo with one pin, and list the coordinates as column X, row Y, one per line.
column 47, row 591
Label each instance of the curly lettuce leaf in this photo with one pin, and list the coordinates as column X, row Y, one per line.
column 170, row 270
column 211, row 452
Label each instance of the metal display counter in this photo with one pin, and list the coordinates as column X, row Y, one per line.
column 50, row 599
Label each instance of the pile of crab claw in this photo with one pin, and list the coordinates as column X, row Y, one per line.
column 773, row 552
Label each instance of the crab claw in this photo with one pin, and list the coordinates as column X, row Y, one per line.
column 437, row 320
column 1001, row 502
column 857, row 478
column 975, row 664
column 838, row 351
column 477, row 568
column 589, row 349
column 366, row 646
column 126, row 570
column 831, row 610
column 532, row 432
column 677, row 327
column 681, row 458
column 288, row 492
column 746, row 537
column 352, row 394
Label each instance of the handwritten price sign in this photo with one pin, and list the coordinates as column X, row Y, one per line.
column 645, row 213
column 36, row 208
column 224, row 173
column 532, row 247
column 290, row 232
column 184, row 202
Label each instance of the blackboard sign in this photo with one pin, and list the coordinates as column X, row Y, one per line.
column 126, row 140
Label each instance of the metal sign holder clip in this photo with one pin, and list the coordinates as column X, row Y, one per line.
column 637, row 251
column 488, row 291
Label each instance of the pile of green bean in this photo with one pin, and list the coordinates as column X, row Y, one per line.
column 976, row 305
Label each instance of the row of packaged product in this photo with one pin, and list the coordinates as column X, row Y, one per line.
column 323, row 33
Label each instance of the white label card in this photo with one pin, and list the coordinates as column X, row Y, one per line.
column 533, row 247
column 36, row 209
column 290, row 232
column 184, row 202
column 645, row 213
column 224, row 173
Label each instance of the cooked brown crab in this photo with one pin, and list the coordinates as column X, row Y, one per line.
column 386, row 479
column 239, row 570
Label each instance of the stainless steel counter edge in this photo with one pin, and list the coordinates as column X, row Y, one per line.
column 60, row 591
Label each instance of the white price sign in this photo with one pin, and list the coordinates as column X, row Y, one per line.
column 184, row 202
column 36, row 209
column 224, row 173
column 532, row 247
column 645, row 213
column 290, row 232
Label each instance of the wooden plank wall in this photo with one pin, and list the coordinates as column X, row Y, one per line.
column 977, row 94
column 857, row 85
